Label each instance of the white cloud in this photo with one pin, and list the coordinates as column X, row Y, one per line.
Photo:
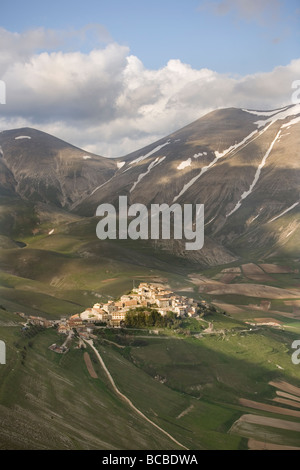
column 19, row 47
column 107, row 102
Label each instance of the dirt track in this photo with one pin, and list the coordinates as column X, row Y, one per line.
column 89, row 365
column 129, row 402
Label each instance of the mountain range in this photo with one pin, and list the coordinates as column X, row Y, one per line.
column 242, row 164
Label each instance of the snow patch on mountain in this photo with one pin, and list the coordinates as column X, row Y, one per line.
column 200, row 154
column 264, row 113
column 120, row 164
column 154, row 163
column 291, row 123
column 290, row 233
column 22, row 137
column 256, row 177
column 218, row 155
column 103, row 184
column 254, row 218
column 184, row 164
column 291, row 111
column 235, row 146
column 143, row 157
column 284, row 212
column 210, row 221
column 86, row 157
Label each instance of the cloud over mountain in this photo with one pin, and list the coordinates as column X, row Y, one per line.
column 108, row 102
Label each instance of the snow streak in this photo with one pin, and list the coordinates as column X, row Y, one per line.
column 265, row 113
column 284, row 212
column 291, row 111
column 256, row 177
column 155, row 162
column 143, row 157
column 218, row 155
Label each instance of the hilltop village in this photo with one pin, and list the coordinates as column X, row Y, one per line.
column 113, row 313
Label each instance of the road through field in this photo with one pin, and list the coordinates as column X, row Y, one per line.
column 90, row 342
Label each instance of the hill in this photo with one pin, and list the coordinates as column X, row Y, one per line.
column 41, row 168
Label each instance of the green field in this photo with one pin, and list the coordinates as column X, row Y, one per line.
column 188, row 382
column 190, row 386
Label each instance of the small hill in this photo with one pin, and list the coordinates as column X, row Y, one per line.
column 41, row 168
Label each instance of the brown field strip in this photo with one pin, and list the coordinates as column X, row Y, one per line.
column 254, row 272
column 268, row 320
column 227, row 277
column 270, row 408
column 265, row 421
column 229, row 307
column 89, row 365
column 250, row 290
column 275, row 269
column 287, row 395
column 235, row 269
column 259, row 445
column 293, row 303
column 286, row 387
column 285, row 401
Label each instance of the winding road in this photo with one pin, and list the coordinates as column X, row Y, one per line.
column 123, row 397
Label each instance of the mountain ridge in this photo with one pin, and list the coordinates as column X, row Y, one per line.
column 241, row 164
column 47, row 169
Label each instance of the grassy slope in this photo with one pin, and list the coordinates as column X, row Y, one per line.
column 211, row 373
column 67, row 271
column 55, row 404
column 51, row 402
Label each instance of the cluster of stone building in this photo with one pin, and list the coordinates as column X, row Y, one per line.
column 113, row 313
column 33, row 320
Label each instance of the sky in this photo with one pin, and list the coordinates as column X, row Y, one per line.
column 112, row 76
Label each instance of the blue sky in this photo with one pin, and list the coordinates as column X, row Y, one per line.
column 112, row 76
column 219, row 35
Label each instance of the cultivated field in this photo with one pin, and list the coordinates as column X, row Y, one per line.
column 89, row 365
